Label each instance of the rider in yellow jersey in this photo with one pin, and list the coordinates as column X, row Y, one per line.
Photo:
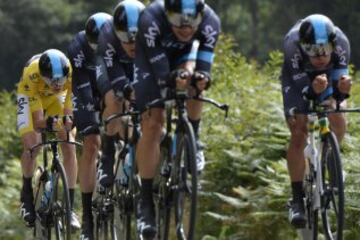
column 45, row 86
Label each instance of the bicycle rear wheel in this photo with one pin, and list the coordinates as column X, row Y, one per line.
column 122, row 214
column 163, row 193
column 60, row 205
column 333, row 198
column 185, row 178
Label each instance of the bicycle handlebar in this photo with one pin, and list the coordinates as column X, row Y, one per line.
column 50, row 142
column 184, row 96
column 118, row 115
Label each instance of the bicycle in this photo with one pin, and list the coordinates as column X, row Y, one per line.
column 323, row 179
column 177, row 180
column 51, row 194
column 113, row 207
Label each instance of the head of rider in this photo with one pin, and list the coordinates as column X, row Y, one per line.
column 125, row 21
column 317, row 37
column 54, row 68
column 93, row 26
column 184, row 17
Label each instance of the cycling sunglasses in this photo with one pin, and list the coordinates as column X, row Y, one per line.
column 317, row 50
column 182, row 20
column 126, row 37
column 55, row 82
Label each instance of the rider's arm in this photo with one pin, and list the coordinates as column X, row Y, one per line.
column 292, row 69
column 68, row 98
column 109, row 51
column 149, row 35
column 29, row 86
column 341, row 63
column 210, row 30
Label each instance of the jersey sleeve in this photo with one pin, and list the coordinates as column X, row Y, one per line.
column 28, row 86
column 341, row 63
column 68, row 86
column 210, row 30
column 149, row 35
column 293, row 73
column 80, row 76
column 115, row 73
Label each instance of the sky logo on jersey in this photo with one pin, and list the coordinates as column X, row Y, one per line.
column 151, row 34
column 210, row 35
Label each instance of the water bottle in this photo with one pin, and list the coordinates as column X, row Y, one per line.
column 126, row 169
column 47, row 193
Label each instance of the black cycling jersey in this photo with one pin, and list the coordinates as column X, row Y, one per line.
column 116, row 66
column 158, row 51
column 86, row 97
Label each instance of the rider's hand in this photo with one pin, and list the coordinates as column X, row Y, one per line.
column 128, row 92
column 320, row 83
column 52, row 123
column 68, row 122
column 344, row 84
column 201, row 81
column 182, row 78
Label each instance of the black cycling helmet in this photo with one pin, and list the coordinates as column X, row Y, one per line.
column 93, row 26
column 317, row 35
column 184, row 12
column 126, row 16
column 54, row 67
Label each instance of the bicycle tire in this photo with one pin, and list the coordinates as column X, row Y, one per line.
column 333, row 197
column 121, row 224
column 312, row 214
column 185, row 167
column 61, row 204
column 163, row 192
column 38, row 192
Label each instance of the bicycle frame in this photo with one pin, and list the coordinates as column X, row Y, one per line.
column 318, row 126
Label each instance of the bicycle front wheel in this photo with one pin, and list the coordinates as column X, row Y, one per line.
column 332, row 202
column 185, row 197
column 61, row 204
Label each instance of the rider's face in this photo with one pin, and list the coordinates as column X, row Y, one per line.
column 320, row 62
column 184, row 34
column 129, row 48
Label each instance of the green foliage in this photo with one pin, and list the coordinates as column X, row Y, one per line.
column 10, row 175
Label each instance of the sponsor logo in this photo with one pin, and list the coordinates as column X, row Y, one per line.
column 151, row 34
column 79, row 59
column 210, row 35
column 157, row 58
column 299, row 76
column 109, row 54
column 295, row 60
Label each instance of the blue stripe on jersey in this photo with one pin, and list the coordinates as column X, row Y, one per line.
column 132, row 13
column 206, row 56
column 56, row 67
column 319, row 25
column 187, row 57
column 327, row 93
column 100, row 19
column 188, row 7
column 337, row 73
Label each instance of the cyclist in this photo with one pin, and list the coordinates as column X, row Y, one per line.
column 316, row 58
column 116, row 53
column 86, row 101
column 167, row 31
column 45, row 85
